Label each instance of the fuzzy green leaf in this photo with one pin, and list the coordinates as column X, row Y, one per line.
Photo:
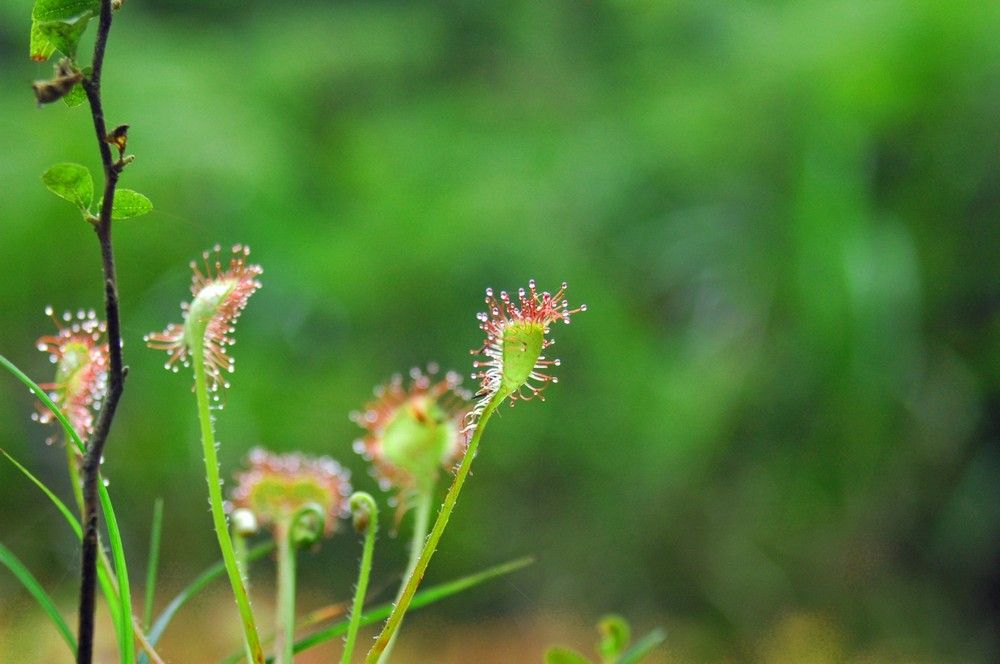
column 615, row 637
column 31, row 584
column 61, row 10
column 65, row 34
column 78, row 95
column 130, row 204
column 564, row 656
column 40, row 48
column 72, row 182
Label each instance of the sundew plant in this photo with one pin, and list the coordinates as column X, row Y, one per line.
column 420, row 433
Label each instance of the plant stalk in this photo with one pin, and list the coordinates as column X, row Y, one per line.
column 413, row 580
column 421, row 520
column 285, row 631
column 361, row 501
column 90, row 469
column 251, row 638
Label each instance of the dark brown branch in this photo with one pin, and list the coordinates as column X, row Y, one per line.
column 91, row 466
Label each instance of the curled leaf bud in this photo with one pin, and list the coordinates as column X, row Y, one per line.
column 307, row 525
column 364, row 511
column 62, row 81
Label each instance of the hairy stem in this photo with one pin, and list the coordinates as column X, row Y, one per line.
column 421, row 520
column 413, row 580
column 285, row 618
column 116, row 370
column 252, row 640
column 366, row 515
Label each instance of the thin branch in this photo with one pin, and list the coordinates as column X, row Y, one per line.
column 116, row 371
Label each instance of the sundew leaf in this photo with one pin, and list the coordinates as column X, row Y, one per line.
column 615, row 637
column 31, row 584
column 130, row 204
column 564, row 656
column 61, row 10
column 65, row 34
column 643, row 647
column 72, row 182
column 40, row 48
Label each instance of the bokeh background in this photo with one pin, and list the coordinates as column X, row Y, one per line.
column 775, row 431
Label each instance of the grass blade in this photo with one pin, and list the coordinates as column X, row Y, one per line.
column 74, row 523
column 210, row 574
column 152, row 563
column 642, row 647
column 32, row 586
column 423, row 598
column 121, row 571
column 123, row 623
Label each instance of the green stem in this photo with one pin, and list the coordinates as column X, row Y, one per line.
column 366, row 515
column 252, row 640
column 421, row 520
column 286, row 592
column 406, row 596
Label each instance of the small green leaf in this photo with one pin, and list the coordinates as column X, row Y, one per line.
column 65, row 34
column 564, row 656
column 40, row 48
column 130, row 204
column 78, row 95
column 72, row 182
column 60, row 10
column 615, row 637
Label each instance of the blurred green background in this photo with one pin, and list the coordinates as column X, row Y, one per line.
column 775, row 430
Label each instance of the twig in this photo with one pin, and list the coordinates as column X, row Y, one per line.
column 116, row 370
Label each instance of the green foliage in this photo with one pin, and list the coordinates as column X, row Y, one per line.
column 63, row 10
column 58, row 25
column 130, row 204
column 39, row 47
column 72, row 182
column 615, row 637
column 63, row 35
column 25, row 577
column 559, row 655
column 613, row 646
column 78, row 95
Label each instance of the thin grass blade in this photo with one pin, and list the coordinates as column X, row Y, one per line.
column 31, row 584
column 423, row 598
column 153, row 563
column 210, row 574
column 643, row 647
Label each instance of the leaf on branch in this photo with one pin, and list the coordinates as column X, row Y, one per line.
column 77, row 95
column 39, row 48
column 130, row 204
column 64, row 34
column 62, row 10
column 72, row 182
